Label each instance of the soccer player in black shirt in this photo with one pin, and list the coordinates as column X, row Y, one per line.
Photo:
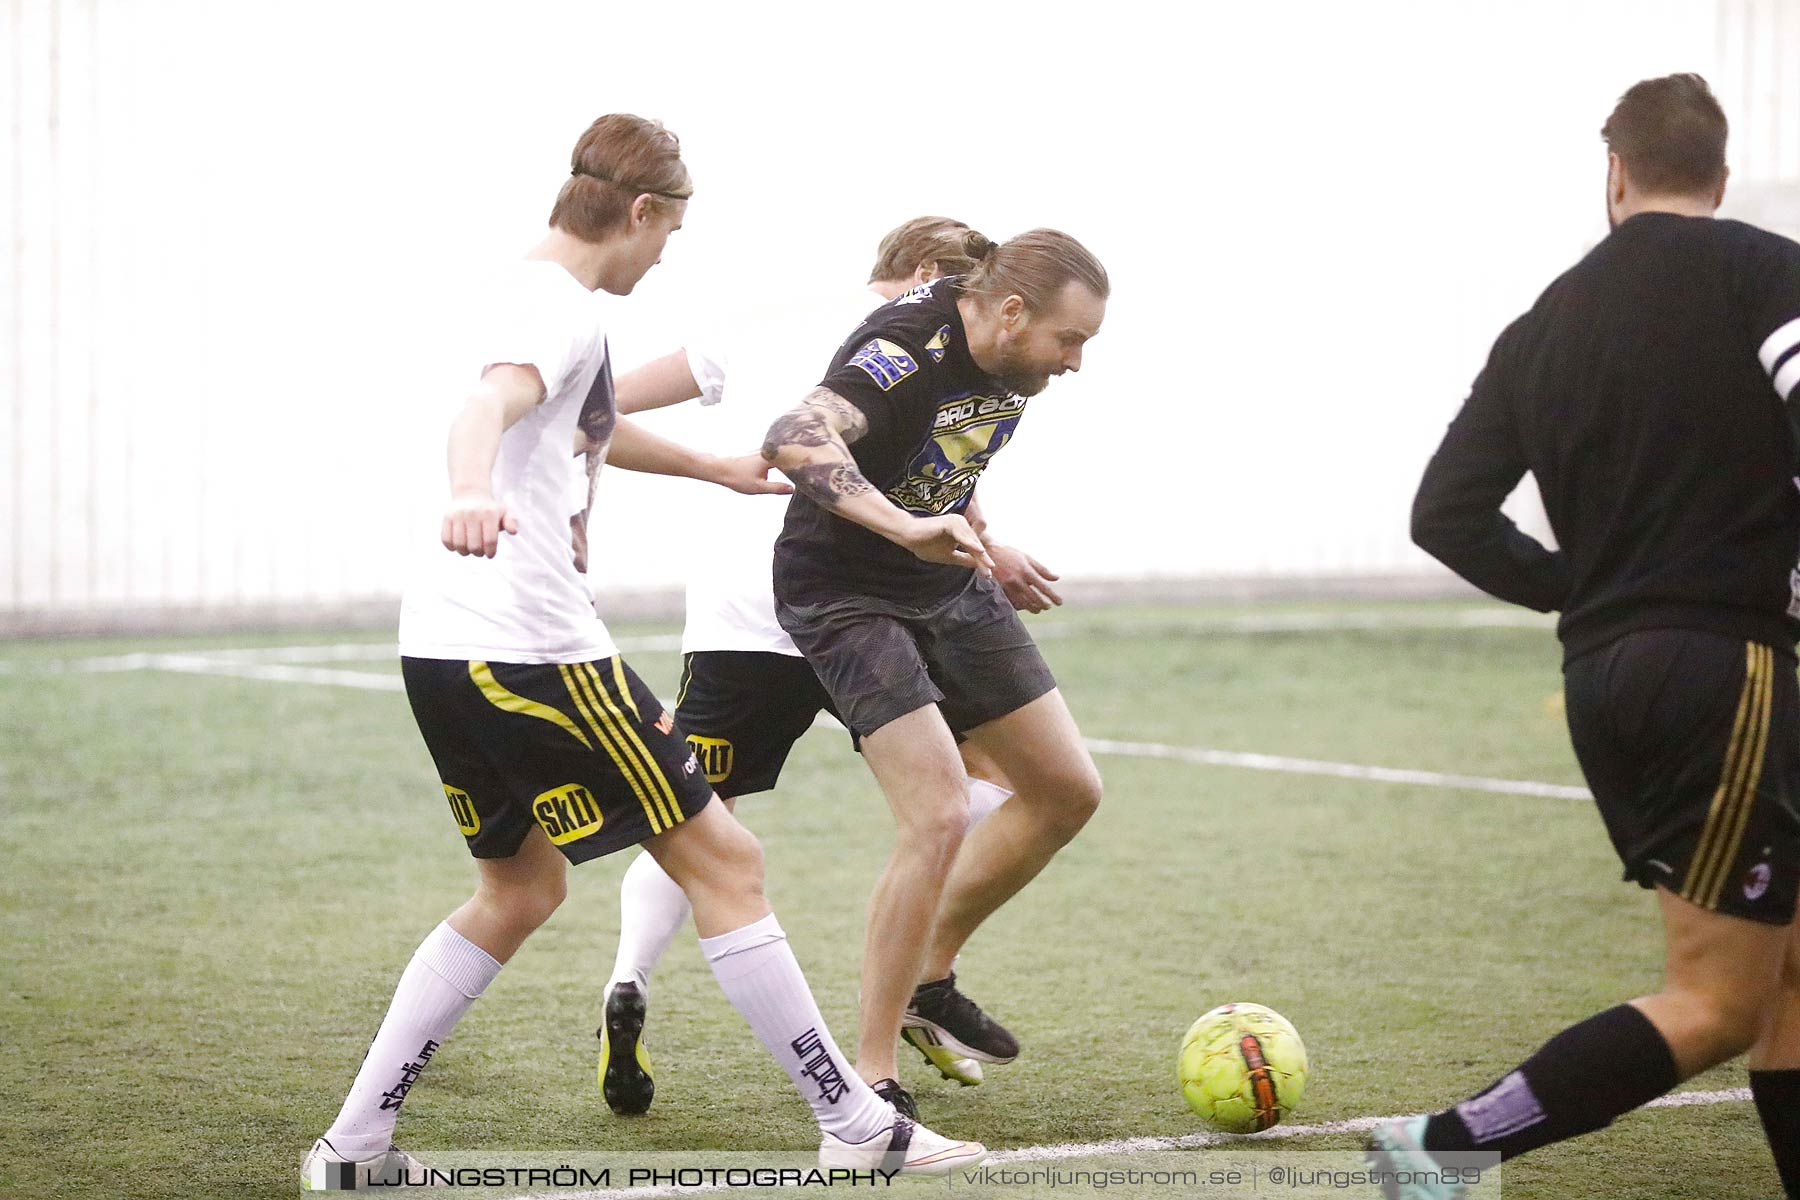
column 885, row 588
column 1637, row 391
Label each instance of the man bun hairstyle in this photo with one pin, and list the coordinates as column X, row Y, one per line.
column 618, row 159
column 1036, row 266
column 953, row 246
column 1670, row 133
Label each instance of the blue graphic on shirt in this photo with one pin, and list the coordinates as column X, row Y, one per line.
column 966, row 434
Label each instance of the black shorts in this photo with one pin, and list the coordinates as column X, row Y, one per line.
column 1691, row 744
column 969, row 654
column 743, row 710
column 582, row 750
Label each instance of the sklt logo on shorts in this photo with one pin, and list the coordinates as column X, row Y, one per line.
column 665, row 724
column 567, row 813
column 1756, row 881
column 463, row 809
column 714, row 755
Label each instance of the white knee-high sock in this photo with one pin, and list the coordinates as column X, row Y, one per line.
column 763, row 982
column 446, row 974
column 984, row 798
column 652, row 909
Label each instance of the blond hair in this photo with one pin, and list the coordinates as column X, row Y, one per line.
column 953, row 246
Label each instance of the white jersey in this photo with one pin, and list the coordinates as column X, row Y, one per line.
column 731, row 596
column 528, row 604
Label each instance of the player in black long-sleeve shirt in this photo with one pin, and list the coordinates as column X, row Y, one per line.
column 1638, row 392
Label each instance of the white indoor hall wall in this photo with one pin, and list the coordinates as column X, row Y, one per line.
column 234, row 233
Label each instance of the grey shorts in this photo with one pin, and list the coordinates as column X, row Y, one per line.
column 968, row 654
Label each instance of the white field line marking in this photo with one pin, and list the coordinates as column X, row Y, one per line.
column 212, row 664
column 1313, row 766
column 279, row 673
column 1141, row 1145
column 1302, row 622
column 386, row 651
column 196, row 664
column 256, row 663
column 248, row 656
column 1250, row 623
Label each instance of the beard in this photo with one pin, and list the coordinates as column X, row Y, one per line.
column 1017, row 376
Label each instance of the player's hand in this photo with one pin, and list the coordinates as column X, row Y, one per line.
column 947, row 540
column 1024, row 579
column 749, row 474
column 473, row 525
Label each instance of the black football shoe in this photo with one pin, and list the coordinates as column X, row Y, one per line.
column 941, row 1018
column 625, row 1078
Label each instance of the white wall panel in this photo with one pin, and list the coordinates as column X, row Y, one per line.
column 232, row 233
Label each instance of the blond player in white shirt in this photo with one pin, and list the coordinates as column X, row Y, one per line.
column 746, row 694
column 550, row 749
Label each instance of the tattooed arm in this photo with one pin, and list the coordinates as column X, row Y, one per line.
column 810, row 443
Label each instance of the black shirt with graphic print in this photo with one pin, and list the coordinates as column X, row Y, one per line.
column 935, row 420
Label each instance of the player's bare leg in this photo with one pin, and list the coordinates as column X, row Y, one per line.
column 718, row 864
column 513, row 896
column 652, row 908
column 1057, row 788
column 1777, row 1048
column 1721, row 982
column 988, row 790
column 915, row 760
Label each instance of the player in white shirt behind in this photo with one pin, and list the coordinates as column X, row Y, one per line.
column 746, row 694
column 551, row 751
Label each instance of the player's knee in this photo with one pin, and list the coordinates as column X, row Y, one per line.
column 731, row 867
column 744, row 860
column 1075, row 801
column 526, row 906
column 1729, row 1021
column 935, row 831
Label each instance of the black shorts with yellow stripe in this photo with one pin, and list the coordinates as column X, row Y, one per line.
column 1690, row 741
column 583, row 751
column 743, row 710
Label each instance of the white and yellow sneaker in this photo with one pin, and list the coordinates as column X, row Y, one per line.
column 943, row 1060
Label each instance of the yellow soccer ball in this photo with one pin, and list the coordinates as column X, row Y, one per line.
column 1242, row 1068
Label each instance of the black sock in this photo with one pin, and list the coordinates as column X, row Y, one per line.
column 1777, row 1096
column 1578, row 1082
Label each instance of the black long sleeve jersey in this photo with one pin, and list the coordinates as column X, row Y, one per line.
column 1638, row 391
